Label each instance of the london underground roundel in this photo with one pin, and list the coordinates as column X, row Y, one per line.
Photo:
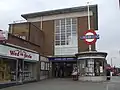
column 90, row 37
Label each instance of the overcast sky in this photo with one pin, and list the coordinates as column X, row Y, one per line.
column 109, row 19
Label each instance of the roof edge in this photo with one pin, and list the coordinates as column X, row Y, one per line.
column 93, row 8
column 60, row 11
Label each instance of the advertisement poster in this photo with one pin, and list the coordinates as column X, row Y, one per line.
column 42, row 65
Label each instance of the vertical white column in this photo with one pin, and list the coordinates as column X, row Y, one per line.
column 41, row 23
column 89, row 21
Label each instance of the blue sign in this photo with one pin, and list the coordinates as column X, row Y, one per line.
column 90, row 37
column 62, row 59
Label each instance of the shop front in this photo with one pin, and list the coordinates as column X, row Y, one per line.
column 45, row 68
column 17, row 65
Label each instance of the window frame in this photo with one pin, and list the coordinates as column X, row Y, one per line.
column 66, row 26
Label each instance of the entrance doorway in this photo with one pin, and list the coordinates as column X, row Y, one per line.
column 62, row 69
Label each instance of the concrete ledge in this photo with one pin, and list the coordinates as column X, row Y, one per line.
column 9, row 84
column 31, row 81
column 43, row 77
column 4, row 85
column 92, row 78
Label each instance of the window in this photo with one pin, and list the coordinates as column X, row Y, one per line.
column 57, row 43
column 64, row 30
column 62, row 42
column 74, row 21
column 42, row 65
column 62, row 22
column 57, row 29
column 68, row 21
column 68, row 29
column 57, row 23
column 62, row 38
column 58, row 37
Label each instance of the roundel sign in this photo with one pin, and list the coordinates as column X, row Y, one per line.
column 90, row 37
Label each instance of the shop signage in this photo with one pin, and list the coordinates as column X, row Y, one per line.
column 90, row 37
column 18, row 53
column 62, row 59
column 21, row 53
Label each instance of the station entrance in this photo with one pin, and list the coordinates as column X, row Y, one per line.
column 63, row 69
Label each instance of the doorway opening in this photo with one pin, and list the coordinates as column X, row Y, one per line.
column 62, row 69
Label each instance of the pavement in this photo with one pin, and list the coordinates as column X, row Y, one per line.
column 68, row 84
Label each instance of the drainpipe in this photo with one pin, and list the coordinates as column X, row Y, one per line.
column 41, row 23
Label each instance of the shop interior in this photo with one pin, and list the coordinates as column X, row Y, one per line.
column 63, row 69
column 7, row 69
column 26, row 70
column 17, row 70
column 29, row 71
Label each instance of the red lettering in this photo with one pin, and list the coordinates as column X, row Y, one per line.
column 20, row 53
column 30, row 56
column 25, row 55
column 11, row 52
column 15, row 54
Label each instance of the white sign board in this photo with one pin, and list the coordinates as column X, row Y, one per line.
column 42, row 65
column 18, row 53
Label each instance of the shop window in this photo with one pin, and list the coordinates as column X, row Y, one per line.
column 43, row 73
column 26, row 66
column 42, row 65
column 44, row 68
column 5, row 70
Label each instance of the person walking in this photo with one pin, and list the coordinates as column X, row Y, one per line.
column 75, row 74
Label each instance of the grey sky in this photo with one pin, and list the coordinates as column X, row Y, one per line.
column 109, row 20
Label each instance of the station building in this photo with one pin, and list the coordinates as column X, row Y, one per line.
column 57, row 33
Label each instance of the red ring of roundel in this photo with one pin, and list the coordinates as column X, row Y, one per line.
column 92, row 31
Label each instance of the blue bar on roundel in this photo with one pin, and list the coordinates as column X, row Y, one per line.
column 97, row 36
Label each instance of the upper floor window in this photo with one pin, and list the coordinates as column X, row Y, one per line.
column 65, row 29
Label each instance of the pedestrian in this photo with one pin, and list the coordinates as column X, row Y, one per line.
column 108, row 74
column 75, row 74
